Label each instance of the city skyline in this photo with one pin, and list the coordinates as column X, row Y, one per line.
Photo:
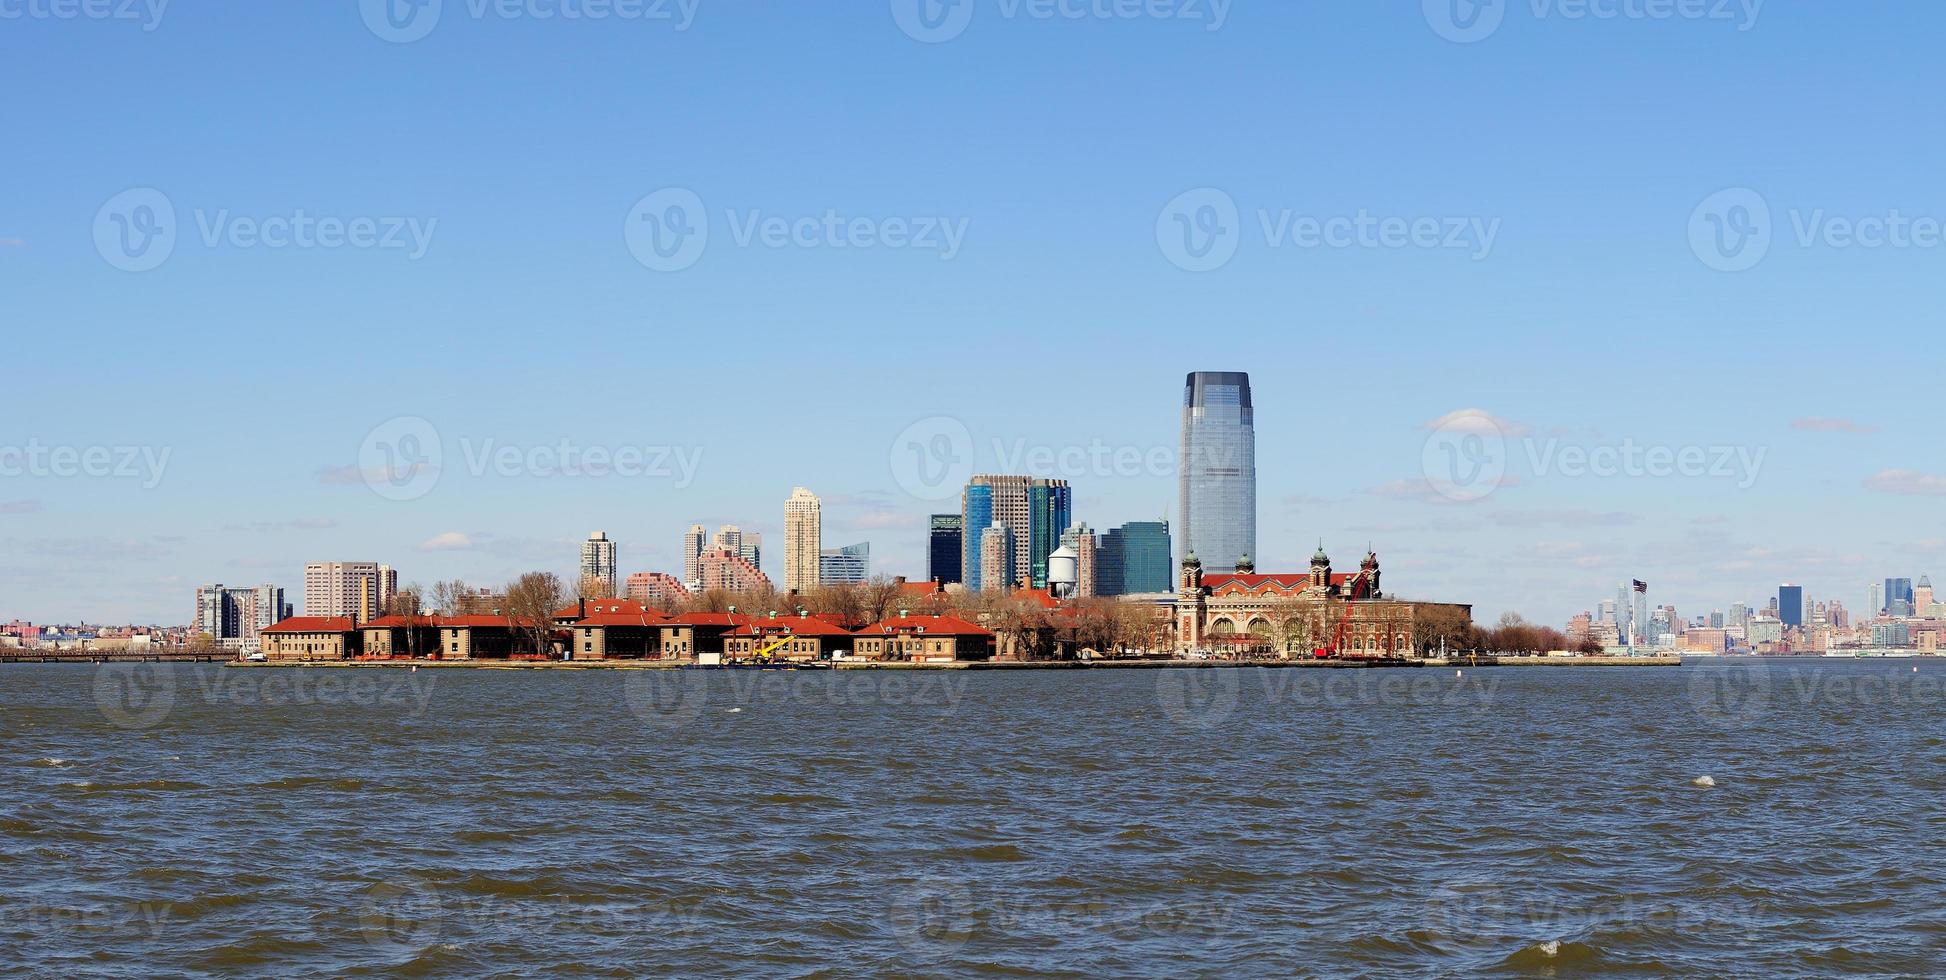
column 1595, row 321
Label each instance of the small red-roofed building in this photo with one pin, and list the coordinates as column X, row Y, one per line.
column 486, row 638
column 699, row 635
column 391, row 637
column 612, row 629
column 304, row 638
column 804, row 638
column 923, row 639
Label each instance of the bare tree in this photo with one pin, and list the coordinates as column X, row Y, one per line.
column 532, row 600
column 449, row 598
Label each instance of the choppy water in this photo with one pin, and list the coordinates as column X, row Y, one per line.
column 180, row 820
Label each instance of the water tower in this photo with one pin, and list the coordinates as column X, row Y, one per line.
column 1063, row 572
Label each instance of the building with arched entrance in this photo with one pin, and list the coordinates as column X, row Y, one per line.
column 1246, row 615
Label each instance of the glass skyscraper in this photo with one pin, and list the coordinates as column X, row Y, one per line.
column 1218, row 482
column 1898, row 596
column 1036, row 511
column 1790, row 604
column 1134, row 559
column 943, row 549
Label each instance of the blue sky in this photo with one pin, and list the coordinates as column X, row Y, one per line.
column 520, row 149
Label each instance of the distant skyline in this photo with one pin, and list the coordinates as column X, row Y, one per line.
column 990, row 246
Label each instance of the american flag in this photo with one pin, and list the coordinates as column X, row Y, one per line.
column 1641, row 586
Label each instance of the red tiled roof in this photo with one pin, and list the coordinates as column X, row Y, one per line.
column 1042, row 599
column 921, row 588
column 399, row 622
column 710, row 619
column 793, row 625
column 935, row 625
column 1257, row 583
column 641, row 617
column 313, row 624
column 626, row 607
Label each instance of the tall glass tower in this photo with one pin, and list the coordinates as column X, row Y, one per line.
column 1219, row 468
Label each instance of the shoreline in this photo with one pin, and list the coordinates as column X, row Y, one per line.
column 1005, row 665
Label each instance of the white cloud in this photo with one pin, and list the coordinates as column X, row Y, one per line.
column 1907, row 482
column 450, row 541
column 1478, row 421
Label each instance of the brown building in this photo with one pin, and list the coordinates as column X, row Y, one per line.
column 486, row 638
column 401, row 636
column 303, row 638
column 1244, row 614
column 691, row 635
column 921, row 639
column 612, row 629
column 803, row 638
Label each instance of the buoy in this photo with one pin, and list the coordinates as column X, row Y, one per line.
column 1459, row 673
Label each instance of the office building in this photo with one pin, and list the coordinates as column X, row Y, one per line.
column 803, row 537
column 851, row 565
column 1035, row 511
column 1217, row 483
column 943, row 554
column 1898, row 597
column 1790, row 605
column 1134, row 559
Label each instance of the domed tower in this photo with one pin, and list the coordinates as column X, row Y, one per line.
column 1321, row 568
column 1245, row 565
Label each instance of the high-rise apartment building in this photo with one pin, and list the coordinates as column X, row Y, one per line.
column 693, row 542
column 725, row 569
column 1875, row 606
column 598, row 574
column 361, row 590
column 656, row 590
column 803, row 539
column 1217, row 482
column 850, row 565
column 997, row 547
column 944, row 559
column 1035, row 511
column 233, row 617
column 1080, row 539
column 1134, row 559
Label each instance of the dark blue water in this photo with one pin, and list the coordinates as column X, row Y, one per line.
column 183, row 820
